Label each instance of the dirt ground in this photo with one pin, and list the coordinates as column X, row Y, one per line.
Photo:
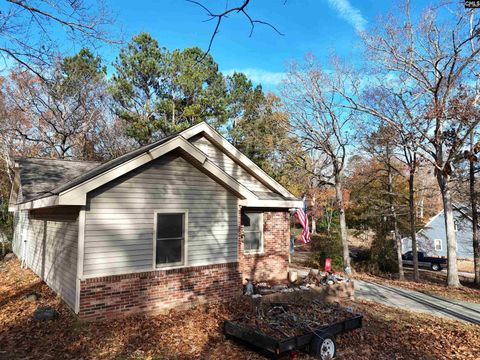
column 387, row 333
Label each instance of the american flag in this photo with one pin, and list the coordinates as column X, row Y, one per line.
column 302, row 218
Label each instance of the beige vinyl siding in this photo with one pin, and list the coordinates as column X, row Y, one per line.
column 19, row 223
column 120, row 216
column 225, row 163
column 52, row 248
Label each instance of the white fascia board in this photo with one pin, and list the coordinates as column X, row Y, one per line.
column 78, row 194
column 288, row 204
column 39, row 203
column 234, row 153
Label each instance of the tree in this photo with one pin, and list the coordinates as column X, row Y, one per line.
column 380, row 145
column 158, row 92
column 136, row 87
column 321, row 126
column 31, row 29
column 59, row 115
column 193, row 90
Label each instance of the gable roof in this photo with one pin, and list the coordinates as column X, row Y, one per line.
column 69, row 184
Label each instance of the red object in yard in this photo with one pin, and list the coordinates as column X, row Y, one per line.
column 328, row 264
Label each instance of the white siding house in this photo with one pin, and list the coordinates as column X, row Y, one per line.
column 432, row 239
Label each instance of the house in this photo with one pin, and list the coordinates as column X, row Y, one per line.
column 432, row 238
column 183, row 220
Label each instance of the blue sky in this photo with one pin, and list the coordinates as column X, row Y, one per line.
column 317, row 26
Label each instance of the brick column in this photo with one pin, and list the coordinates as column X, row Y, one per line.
column 272, row 264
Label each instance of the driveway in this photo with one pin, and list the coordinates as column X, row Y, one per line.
column 416, row 301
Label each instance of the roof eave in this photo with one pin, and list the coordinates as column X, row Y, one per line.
column 281, row 204
column 48, row 201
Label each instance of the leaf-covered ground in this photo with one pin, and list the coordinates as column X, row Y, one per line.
column 196, row 334
column 430, row 283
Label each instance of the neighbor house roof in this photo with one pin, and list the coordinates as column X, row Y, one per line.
column 61, row 182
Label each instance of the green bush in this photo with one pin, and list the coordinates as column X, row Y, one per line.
column 325, row 246
column 383, row 255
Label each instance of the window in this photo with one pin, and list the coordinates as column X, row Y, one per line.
column 253, row 231
column 170, row 238
column 438, row 244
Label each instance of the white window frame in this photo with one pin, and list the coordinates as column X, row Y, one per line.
column 438, row 242
column 259, row 251
column 182, row 264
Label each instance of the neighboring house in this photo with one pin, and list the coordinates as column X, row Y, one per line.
column 181, row 220
column 432, row 238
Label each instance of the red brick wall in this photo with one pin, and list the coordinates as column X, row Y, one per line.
column 272, row 264
column 154, row 291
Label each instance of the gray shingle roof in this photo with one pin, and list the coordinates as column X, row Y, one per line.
column 39, row 176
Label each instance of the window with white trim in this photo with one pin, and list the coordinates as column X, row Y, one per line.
column 438, row 244
column 252, row 231
column 169, row 239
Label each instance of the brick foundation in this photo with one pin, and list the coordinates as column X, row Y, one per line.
column 272, row 264
column 155, row 291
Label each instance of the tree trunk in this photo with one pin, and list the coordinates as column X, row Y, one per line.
column 421, row 201
column 452, row 271
column 314, row 225
column 473, row 200
column 343, row 223
column 393, row 214
column 413, row 223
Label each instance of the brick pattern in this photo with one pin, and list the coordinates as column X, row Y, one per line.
column 272, row 264
column 156, row 291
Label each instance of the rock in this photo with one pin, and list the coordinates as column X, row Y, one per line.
column 9, row 257
column 292, row 276
column 45, row 313
column 279, row 287
column 32, row 297
column 256, row 296
column 249, row 288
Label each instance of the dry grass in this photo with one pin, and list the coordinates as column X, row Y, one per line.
column 465, row 266
column 197, row 334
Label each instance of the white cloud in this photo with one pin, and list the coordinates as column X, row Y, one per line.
column 350, row 14
column 260, row 76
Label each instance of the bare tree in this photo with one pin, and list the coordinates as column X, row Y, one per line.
column 60, row 116
column 219, row 16
column 321, row 127
column 30, row 29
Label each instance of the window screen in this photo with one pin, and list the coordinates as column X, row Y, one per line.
column 252, row 231
column 170, row 238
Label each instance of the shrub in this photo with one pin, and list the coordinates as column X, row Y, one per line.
column 325, row 246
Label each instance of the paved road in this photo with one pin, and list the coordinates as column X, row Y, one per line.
column 416, row 301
